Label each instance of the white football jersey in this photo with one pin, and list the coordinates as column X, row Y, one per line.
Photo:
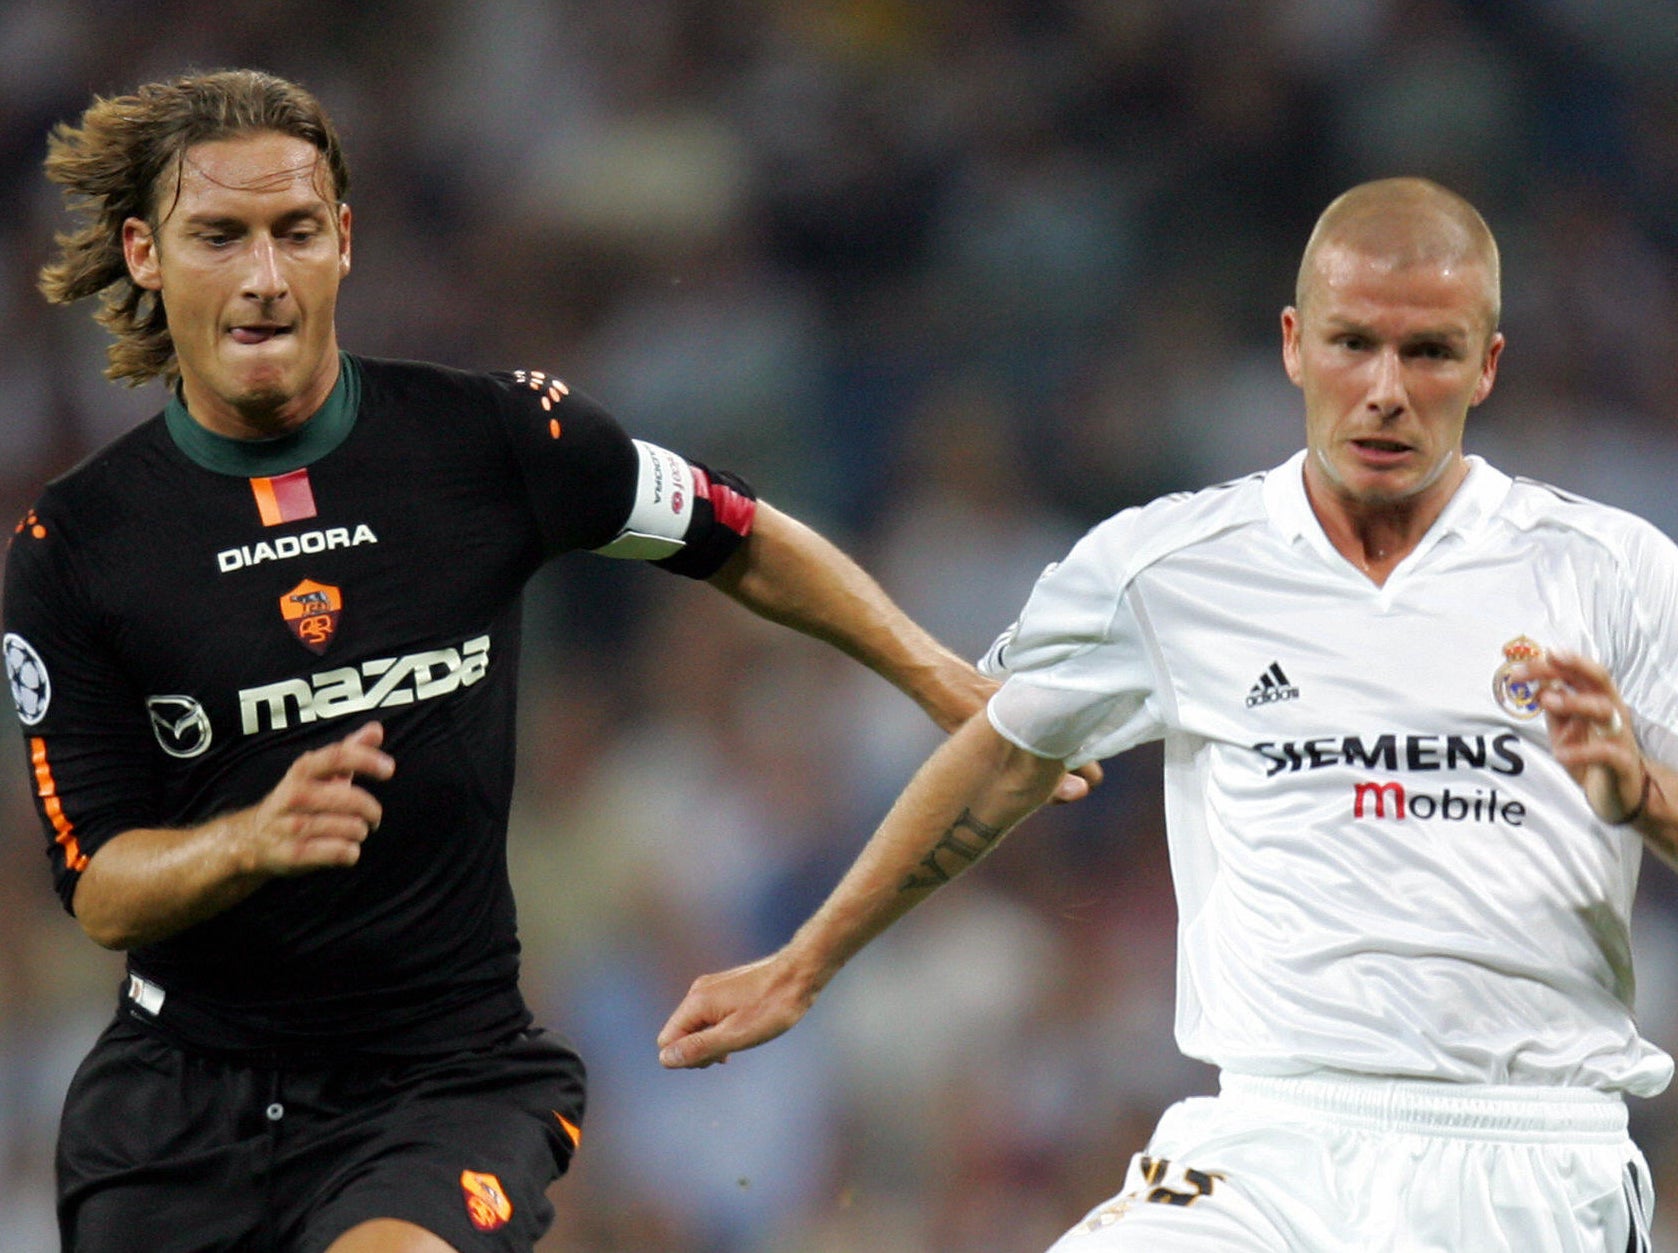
column 1379, row 866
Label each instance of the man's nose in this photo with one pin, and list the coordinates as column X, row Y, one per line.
column 1387, row 395
column 265, row 280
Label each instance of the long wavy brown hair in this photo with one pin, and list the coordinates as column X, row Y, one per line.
column 120, row 162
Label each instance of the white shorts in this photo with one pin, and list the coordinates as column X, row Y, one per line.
column 1353, row 1165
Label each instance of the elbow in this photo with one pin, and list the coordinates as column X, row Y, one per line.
column 105, row 927
column 108, row 934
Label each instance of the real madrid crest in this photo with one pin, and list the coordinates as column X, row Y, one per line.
column 1517, row 696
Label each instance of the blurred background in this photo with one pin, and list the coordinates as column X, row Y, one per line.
column 952, row 280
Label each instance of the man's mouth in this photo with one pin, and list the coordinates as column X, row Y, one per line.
column 1382, row 447
column 259, row 333
column 1379, row 455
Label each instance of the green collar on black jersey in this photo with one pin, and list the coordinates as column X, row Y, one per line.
column 256, row 458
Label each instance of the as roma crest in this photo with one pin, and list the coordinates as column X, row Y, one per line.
column 312, row 611
column 486, row 1201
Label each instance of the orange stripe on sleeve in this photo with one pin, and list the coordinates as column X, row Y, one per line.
column 47, row 790
column 571, row 1128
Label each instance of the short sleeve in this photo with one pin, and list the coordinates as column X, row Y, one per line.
column 578, row 465
column 1078, row 666
column 1644, row 636
column 87, row 742
column 594, row 487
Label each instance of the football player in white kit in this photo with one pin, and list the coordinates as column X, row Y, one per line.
column 1417, row 718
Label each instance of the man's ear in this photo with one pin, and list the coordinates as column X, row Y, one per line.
column 343, row 240
column 1290, row 344
column 1488, row 369
column 139, row 249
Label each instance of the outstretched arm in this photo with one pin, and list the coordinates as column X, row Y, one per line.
column 968, row 795
column 149, row 883
column 1591, row 733
column 788, row 573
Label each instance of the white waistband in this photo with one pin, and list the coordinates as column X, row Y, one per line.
column 1491, row 1111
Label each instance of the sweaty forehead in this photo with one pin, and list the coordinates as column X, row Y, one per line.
column 1344, row 280
column 1337, row 265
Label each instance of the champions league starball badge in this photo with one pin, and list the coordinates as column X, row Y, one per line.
column 1517, row 696
column 27, row 675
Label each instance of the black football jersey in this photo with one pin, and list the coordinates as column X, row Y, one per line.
column 185, row 614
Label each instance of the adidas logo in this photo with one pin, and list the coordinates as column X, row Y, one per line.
column 1271, row 687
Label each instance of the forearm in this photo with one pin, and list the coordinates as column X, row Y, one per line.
column 150, row 883
column 964, row 800
column 1658, row 821
column 789, row 574
column 147, row 884
column 970, row 793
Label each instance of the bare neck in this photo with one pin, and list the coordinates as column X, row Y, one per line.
column 1376, row 535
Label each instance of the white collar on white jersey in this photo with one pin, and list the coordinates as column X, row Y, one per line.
column 1474, row 504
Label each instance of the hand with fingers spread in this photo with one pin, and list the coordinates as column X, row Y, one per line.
column 317, row 816
column 1591, row 733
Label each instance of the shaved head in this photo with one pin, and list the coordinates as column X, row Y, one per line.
column 1401, row 223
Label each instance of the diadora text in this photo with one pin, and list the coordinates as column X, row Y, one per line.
column 287, row 546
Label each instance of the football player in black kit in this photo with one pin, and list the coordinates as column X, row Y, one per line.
column 265, row 651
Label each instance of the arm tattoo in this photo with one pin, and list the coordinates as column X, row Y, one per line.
column 966, row 849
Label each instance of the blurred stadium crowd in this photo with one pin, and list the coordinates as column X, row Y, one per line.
column 951, row 279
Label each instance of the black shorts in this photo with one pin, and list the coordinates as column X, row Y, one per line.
column 163, row 1149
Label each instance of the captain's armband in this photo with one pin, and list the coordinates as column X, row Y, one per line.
column 663, row 507
column 685, row 518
